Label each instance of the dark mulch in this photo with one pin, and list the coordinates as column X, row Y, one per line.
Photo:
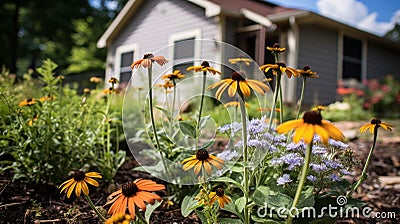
column 22, row 203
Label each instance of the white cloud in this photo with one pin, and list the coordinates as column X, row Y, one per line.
column 355, row 13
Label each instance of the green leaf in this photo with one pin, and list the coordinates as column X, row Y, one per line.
column 240, row 203
column 166, row 113
column 150, row 209
column 260, row 195
column 232, row 208
column 306, row 198
column 229, row 180
column 229, row 221
column 203, row 121
column 187, row 129
column 188, row 205
column 202, row 217
column 280, row 200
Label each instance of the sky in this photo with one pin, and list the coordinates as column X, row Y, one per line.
column 374, row 16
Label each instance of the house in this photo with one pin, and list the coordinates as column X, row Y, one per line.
column 336, row 51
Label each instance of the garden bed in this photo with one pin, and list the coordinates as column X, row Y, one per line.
column 21, row 203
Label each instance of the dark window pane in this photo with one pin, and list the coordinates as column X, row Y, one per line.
column 352, row 47
column 351, row 70
column 125, row 77
column 126, row 59
column 184, row 49
column 183, row 66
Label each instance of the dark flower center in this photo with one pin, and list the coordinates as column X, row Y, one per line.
column 220, row 192
column 79, row 175
column 238, row 76
column 205, row 64
column 376, row 121
column 29, row 100
column 148, row 55
column 202, row 155
column 276, row 45
column 312, row 117
column 306, row 68
column 129, row 189
column 281, row 64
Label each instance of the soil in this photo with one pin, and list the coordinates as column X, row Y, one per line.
column 23, row 203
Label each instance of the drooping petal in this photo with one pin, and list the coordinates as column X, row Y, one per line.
column 232, row 89
column 386, row 126
column 149, row 185
column 139, row 202
column 216, row 164
column 91, row 181
column 334, row 132
column 223, row 87
column 78, row 188
column 85, row 188
column 66, row 184
column 207, row 166
column 323, row 134
column 188, row 159
column 190, row 164
column 131, row 207
column 197, row 168
column 309, row 133
column 219, row 160
column 364, row 127
column 244, row 88
column 71, row 188
column 299, row 133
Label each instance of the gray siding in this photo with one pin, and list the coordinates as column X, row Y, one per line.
column 382, row 61
column 318, row 49
column 156, row 20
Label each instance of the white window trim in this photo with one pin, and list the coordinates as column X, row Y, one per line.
column 193, row 33
column 124, row 49
column 364, row 47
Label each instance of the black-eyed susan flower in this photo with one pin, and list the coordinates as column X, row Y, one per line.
column 166, row 85
column 110, row 91
column 113, row 80
column 202, row 160
column 311, row 124
column 239, row 83
column 173, row 76
column 204, row 67
column 86, row 90
column 319, row 108
column 219, row 195
column 32, row 120
column 148, row 60
column 280, row 67
column 27, row 102
column 79, row 182
column 375, row 123
column 119, row 219
column 46, row 98
column 95, row 79
column 306, row 72
column 246, row 61
column 132, row 194
column 276, row 48
column 235, row 104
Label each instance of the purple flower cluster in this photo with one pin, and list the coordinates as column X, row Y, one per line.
column 284, row 179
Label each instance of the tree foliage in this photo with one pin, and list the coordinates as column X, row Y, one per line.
column 65, row 30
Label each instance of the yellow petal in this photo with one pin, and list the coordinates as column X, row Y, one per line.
column 66, row 184
column 91, row 181
column 93, row 174
column 289, row 125
column 188, row 159
column 323, row 134
column 299, row 133
column 71, row 189
column 215, row 163
column 207, row 167
column 244, row 88
column 197, row 168
column 85, row 188
column 333, row 131
column 364, row 128
column 221, row 89
column 232, row 88
column 78, row 188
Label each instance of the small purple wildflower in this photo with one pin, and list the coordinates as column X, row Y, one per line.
column 311, row 178
column 335, row 177
column 284, row 179
column 318, row 167
column 333, row 164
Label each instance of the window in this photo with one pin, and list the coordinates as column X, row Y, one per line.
column 185, row 49
column 124, row 57
column 352, row 58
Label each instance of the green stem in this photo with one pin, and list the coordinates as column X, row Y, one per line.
column 245, row 159
column 363, row 175
column 302, row 180
column 280, row 106
column 94, row 207
column 301, row 97
column 140, row 216
column 150, row 72
column 277, row 85
column 202, row 99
